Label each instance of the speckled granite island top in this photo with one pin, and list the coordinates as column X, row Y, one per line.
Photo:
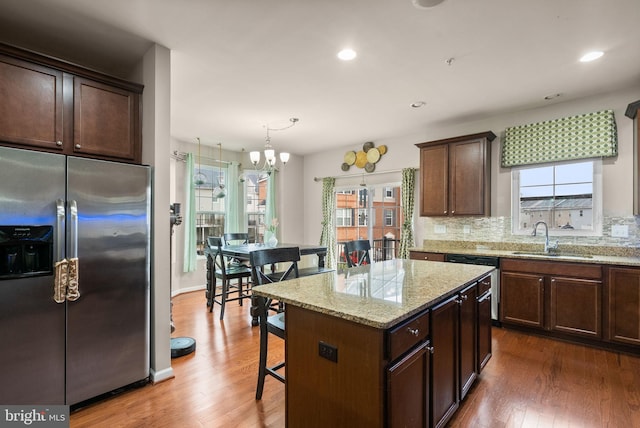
column 379, row 295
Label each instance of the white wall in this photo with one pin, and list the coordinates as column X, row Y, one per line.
column 154, row 72
column 402, row 153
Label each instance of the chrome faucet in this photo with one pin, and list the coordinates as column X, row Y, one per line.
column 547, row 246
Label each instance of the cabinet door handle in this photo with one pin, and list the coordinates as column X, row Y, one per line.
column 59, row 143
column 453, row 211
column 445, row 211
column 413, row 331
column 484, row 297
column 78, row 146
column 430, row 349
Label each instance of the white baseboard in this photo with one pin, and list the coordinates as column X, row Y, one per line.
column 188, row 290
column 162, row 375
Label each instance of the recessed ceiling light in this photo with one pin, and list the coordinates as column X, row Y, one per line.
column 418, row 104
column 591, row 56
column 425, row 4
column 347, row 54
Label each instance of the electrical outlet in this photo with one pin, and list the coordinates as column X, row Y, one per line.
column 439, row 228
column 466, row 229
column 620, row 231
column 327, row 351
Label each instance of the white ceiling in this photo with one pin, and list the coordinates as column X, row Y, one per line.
column 238, row 65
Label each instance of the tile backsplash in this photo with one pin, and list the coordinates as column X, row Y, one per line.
column 498, row 229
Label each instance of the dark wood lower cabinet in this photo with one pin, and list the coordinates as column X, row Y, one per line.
column 576, row 306
column 484, row 331
column 467, row 301
column 522, row 299
column 557, row 297
column 444, row 362
column 623, row 307
column 408, row 390
column 412, row 375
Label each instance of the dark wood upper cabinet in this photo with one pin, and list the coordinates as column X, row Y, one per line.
column 455, row 176
column 51, row 105
column 31, row 104
column 632, row 113
column 105, row 120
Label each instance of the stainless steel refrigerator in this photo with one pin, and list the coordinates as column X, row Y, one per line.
column 74, row 277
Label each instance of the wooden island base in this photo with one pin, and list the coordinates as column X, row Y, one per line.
column 321, row 392
column 396, row 344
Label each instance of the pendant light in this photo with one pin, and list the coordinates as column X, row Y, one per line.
column 217, row 191
column 199, row 179
column 269, row 152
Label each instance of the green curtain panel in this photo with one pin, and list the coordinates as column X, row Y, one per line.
column 270, row 209
column 328, row 234
column 233, row 218
column 408, row 198
column 189, row 219
column 590, row 135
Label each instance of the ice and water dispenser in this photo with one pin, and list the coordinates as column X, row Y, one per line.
column 25, row 251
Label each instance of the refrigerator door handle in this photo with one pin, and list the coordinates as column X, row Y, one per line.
column 61, row 267
column 73, row 292
column 73, row 233
column 60, row 214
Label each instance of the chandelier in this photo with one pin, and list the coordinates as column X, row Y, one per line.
column 269, row 164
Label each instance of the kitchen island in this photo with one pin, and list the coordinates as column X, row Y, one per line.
column 361, row 345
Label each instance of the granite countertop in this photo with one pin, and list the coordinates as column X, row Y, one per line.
column 567, row 253
column 379, row 295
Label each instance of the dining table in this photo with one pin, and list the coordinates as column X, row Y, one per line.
column 242, row 253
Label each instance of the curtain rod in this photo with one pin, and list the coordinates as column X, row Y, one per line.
column 359, row 175
column 181, row 156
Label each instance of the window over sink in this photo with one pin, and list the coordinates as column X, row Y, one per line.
column 565, row 195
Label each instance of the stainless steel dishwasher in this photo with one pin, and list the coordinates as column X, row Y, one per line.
column 495, row 277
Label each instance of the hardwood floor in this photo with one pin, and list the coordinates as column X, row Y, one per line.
column 529, row 382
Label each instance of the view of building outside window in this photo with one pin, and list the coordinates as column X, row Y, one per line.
column 209, row 210
column 256, row 194
column 561, row 195
column 372, row 213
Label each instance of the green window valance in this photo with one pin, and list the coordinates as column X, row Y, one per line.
column 584, row 136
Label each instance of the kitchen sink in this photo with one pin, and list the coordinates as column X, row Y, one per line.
column 560, row 254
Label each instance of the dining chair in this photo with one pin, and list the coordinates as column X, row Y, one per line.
column 219, row 268
column 286, row 258
column 357, row 252
column 237, row 238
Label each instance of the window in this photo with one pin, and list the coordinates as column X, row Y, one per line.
column 255, row 188
column 209, row 210
column 565, row 195
column 388, row 192
column 388, row 217
column 362, row 217
column 369, row 213
column 344, row 216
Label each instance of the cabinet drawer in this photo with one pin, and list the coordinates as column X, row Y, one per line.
column 566, row 269
column 407, row 335
column 484, row 285
column 423, row 255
